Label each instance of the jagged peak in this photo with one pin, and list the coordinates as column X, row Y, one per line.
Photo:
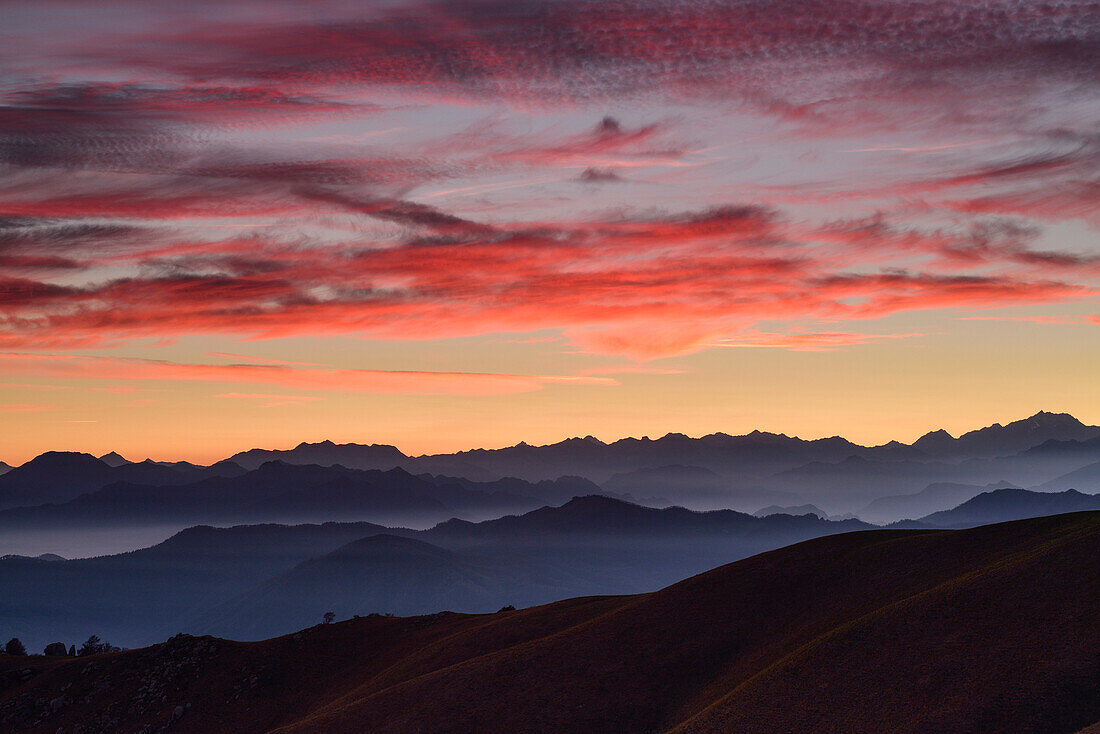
column 63, row 457
column 1048, row 418
column 938, row 433
column 114, row 458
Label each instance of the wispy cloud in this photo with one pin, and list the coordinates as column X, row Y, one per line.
column 327, row 379
column 809, row 342
column 270, row 401
column 24, row 407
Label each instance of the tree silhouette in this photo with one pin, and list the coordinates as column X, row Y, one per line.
column 15, row 647
column 329, row 617
column 90, row 647
column 93, row 646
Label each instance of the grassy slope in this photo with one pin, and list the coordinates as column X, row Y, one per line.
column 991, row 629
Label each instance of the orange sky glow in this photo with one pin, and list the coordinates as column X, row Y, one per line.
column 453, row 225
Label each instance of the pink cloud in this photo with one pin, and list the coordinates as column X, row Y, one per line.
column 23, row 408
column 269, row 400
column 639, row 286
column 810, row 342
column 328, row 379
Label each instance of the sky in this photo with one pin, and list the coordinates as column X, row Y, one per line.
column 448, row 225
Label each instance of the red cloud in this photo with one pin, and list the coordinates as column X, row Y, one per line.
column 643, row 287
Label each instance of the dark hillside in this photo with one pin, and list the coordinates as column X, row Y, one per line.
column 992, row 629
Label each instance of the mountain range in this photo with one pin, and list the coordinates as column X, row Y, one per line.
column 255, row 581
column 984, row 630
column 275, row 491
column 1047, row 451
column 1001, row 505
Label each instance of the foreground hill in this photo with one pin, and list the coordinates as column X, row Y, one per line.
column 991, row 629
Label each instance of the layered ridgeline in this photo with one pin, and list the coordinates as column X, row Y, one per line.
column 326, row 481
column 985, row 630
column 1002, row 505
column 276, row 491
column 257, row 581
column 751, row 471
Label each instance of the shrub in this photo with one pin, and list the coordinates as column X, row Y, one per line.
column 55, row 648
column 15, row 647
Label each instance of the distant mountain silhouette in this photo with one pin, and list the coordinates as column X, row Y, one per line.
column 52, row 477
column 114, row 459
column 4, row 468
column 1002, row 505
column 748, row 471
column 791, row 510
column 754, row 454
column 700, row 487
column 589, row 545
column 987, row 630
column 43, row 557
column 381, row 573
column 59, row 476
column 326, row 453
column 857, row 480
column 604, row 517
column 1087, row 479
column 289, row 492
column 998, row 440
column 712, row 472
column 760, row 454
column 934, row 497
column 1077, row 450
column 216, row 580
column 145, row 595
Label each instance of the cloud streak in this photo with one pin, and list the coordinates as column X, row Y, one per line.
column 328, row 379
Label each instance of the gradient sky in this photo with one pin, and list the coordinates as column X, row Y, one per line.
column 458, row 224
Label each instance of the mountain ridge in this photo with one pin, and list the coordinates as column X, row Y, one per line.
column 714, row 471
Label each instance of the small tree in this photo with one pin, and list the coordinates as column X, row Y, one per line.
column 15, row 647
column 72, row 651
column 93, row 646
column 329, row 617
column 55, row 648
